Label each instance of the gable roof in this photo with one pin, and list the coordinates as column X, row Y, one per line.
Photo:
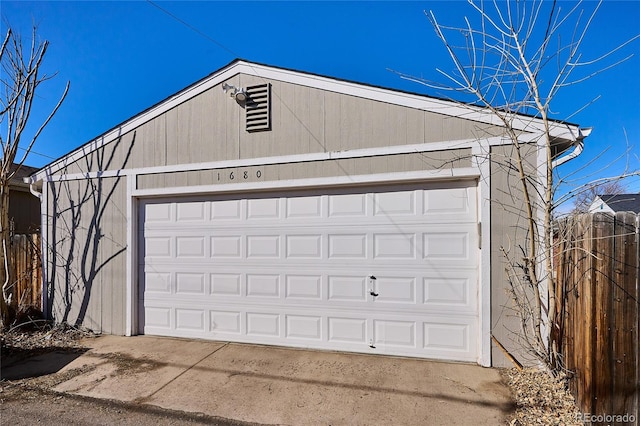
column 561, row 130
column 23, row 172
column 622, row 202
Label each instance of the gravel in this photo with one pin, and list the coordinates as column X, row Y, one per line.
column 540, row 398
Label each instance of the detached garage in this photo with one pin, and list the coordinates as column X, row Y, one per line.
column 270, row 206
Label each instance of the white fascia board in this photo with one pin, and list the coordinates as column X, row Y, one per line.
column 439, row 106
column 422, row 102
column 287, row 159
column 137, row 121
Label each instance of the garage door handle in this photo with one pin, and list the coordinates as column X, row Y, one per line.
column 373, row 293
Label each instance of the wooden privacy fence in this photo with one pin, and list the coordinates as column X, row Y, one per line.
column 597, row 260
column 25, row 253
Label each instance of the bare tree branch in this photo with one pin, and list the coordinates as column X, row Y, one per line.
column 21, row 68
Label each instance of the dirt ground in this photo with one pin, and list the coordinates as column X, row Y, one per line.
column 22, row 405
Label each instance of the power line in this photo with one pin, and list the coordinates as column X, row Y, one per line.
column 217, row 43
column 192, row 28
column 38, row 153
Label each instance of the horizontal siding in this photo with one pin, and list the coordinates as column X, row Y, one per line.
column 86, row 253
column 312, row 169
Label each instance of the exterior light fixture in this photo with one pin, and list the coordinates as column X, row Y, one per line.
column 237, row 93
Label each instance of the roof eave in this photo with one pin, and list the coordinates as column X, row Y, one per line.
column 440, row 106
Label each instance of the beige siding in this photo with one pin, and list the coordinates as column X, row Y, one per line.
column 86, row 256
column 87, row 231
column 313, row 169
column 210, row 127
column 508, row 231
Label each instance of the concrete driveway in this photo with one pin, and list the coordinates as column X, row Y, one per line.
column 271, row 385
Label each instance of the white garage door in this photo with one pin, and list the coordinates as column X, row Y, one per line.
column 389, row 270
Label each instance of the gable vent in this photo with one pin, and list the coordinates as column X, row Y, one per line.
column 258, row 108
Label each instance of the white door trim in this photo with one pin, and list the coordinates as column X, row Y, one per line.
column 478, row 173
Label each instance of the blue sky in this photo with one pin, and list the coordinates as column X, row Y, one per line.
column 122, row 57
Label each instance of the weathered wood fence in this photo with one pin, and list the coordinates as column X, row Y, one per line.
column 25, row 253
column 597, row 261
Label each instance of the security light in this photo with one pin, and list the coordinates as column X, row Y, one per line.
column 237, row 93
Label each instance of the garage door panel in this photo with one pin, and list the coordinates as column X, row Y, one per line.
column 347, row 246
column 391, row 271
column 347, row 289
column 307, row 246
column 307, row 327
column 396, row 333
column 263, row 324
column 455, row 290
column 394, row 245
column 347, row 330
column 263, row 246
column 394, row 289
column 263, row 285
column 225, row 284
column 191, row 211
column 193, row 246
column 449, row 338
column 158, row 317
column 308, row 287
column 448, row 246
column 226, row 210
column 158, row 213
column 304, row 207
column 160, row 246
column 458, row 201
column 190, row 283
column 439, row 290
column 190, row 319
column 395, row 203
column 226, row 246
column 224, row 321
column 158, row 282
column 347, row 205
column 263, row 209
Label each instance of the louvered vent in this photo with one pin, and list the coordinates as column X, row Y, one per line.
column 258, row 108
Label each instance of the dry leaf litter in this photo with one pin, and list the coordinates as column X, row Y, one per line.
column 540, row 398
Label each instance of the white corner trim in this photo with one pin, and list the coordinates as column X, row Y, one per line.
column 132, row 261
column 287, row 159
column 482, row 162
column 438, row 106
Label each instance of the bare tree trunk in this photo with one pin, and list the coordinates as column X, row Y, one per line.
column 20, row 68
column 513, row 59
column 8, row 299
